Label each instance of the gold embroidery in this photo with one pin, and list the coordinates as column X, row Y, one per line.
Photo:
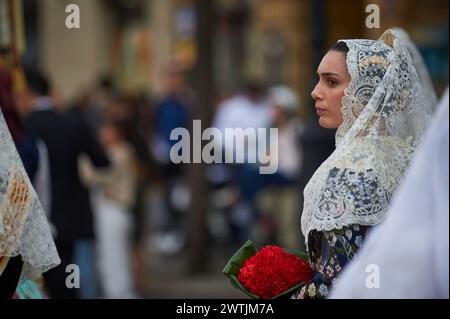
column 3, row 262
column 375, row 59
column 15, row 211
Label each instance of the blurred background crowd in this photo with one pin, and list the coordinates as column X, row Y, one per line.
column 91, row 110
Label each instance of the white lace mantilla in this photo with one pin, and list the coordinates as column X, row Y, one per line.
column 24, row 228
column 385, row 112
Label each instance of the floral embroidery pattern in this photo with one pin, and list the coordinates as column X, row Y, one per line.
column 329, row 252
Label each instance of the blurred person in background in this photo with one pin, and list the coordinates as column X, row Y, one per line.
column 173, row 111
column 248, row 109
column 26, row 145
column 100, row 97
column 278, row 192
column 115, row 189
column 286, row 103
column 138, row 134
column 317, row 145
column 136, row 117
column 65, row 138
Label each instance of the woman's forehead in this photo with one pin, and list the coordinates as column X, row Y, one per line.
column 333, row 62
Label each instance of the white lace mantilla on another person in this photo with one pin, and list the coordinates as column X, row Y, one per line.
column 24, row 229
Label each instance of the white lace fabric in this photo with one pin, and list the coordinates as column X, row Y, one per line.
column 386, row 109
column 24, row 228
column 418, row 224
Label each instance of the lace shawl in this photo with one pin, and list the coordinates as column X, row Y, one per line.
column 385, row 112
column 24, row 228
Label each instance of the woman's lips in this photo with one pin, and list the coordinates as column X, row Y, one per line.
column 319, row 110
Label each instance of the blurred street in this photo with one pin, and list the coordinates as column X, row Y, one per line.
column 167, row 277
column 102, row 99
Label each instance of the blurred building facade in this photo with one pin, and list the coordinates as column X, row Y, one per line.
column 275, row 41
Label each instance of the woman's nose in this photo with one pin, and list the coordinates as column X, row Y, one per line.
column 315, row 94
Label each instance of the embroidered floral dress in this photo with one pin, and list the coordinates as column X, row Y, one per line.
column 329, row 252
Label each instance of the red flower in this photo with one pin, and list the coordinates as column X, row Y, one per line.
column 271, row 271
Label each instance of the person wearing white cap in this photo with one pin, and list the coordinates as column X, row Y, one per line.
column 279, row 195
column 286, row 103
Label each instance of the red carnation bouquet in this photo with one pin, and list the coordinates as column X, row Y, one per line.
column 271, row 272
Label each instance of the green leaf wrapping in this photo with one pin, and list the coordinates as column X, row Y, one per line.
column 235, row 263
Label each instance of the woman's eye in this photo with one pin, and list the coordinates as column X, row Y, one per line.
column 331, row 82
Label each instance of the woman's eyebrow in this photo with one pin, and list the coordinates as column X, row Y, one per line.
column 328, row 74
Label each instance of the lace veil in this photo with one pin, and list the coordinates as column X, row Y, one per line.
column 386, row 108
column 420, row 213
column 24, row 228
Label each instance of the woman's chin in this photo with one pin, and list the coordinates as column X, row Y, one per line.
column 325, row 123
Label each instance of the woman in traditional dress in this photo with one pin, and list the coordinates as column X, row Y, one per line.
column 26, row 244
column 379, row 97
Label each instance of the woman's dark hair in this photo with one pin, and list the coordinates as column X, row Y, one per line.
column 340, row 47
